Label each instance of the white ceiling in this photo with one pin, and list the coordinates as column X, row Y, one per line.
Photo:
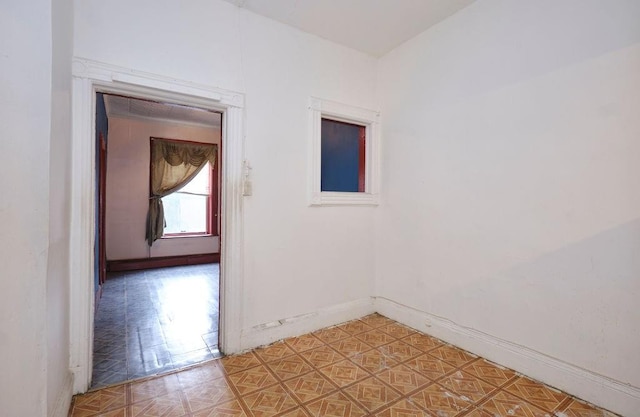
column 371, row 26
column 145, row 109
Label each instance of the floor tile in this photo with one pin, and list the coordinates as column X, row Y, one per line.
column 504, row 404
column 374, row 361
column 467, row 386
column 208, row 394
column 489, row 372
column 430, row 367
column 403, row 379
column 269, row 401
column 100, row 401
column 310, row 386
column 321, row 356
column 253, row 379
column 536, row 393
column 454, row 356
column 228, row 409
column 367, row 367
column 335, row 405
column 403, row 408
column 344, row 373
column 375, row 338
column 274, row 352
column 579, row 409
column 170, row 405
column 304, row 342
column 400, row 351
column 289, row 367
column 372, row 394
column 350, row 346
column 440, row 401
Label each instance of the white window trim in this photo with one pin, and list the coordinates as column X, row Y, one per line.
column 323, row 109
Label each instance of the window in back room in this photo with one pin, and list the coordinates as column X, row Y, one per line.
column 342, row 156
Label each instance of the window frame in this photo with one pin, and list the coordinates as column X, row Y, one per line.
column 324, row 109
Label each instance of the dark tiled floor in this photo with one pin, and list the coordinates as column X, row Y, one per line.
column 154, row 321
column 371, row 367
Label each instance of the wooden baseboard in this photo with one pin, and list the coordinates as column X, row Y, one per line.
column 161, row 262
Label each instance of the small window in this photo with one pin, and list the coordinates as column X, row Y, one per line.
column 187, row 211
column 344, row 157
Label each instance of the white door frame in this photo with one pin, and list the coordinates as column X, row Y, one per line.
column 90, row 77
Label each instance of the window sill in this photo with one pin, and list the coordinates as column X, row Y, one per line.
column 344, row 199
column 187, row 235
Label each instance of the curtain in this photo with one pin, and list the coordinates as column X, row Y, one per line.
column 173, row 165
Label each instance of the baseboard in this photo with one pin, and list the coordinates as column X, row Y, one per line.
column 63, row 400
column 597, row 389
column 267, row 333
column 161, row 262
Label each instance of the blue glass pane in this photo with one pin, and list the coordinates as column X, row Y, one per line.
column 340, row 156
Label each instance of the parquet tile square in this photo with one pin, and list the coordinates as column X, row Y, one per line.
column 400, row 351
column 454, row 356
column 430, row 367
column 467, row 385
column 200, row 374
column 253, row 379
column 422, row 341
column 169, row 405
column 372, row 394
column 397, row 330
column 289, row 367
column 403, row 408
column 322, row 356
column 579, row 409
column 504, row 404
column 403, row 379
column 343, row 373
column 304, row 342
column 269, row 401
column 367, row 367
column 331, row 334
column 489, row 372
column 155, row 387
column 375, row 338
column 208, row 394
column 440, row 401
column 374, row 361
column 228, row 409
column 274, row 352
column 354, row 327
column 310, row 386
column 99, row 401
column 376, row 320
column 536, row 393
column 237, row 363
column 335, row 405
column 350, row 346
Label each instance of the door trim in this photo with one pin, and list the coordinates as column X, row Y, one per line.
column 89, row 78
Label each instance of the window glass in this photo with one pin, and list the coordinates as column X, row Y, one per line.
column 186, row 210
column 342, row 157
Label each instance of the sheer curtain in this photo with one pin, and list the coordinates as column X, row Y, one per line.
column 173, row 165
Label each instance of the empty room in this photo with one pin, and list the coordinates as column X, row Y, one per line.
column 421, row 208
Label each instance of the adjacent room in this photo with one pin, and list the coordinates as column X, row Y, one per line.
column 396, row 207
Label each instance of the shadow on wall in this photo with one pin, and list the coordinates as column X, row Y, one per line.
column 578, row 304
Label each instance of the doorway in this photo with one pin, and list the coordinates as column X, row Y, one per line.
column 157, row 303
column 90, row 77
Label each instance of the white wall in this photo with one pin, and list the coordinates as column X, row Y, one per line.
column 127, row 189
column 57, row 282
column 34, row 352
column 511, row 182
column 297, row 259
